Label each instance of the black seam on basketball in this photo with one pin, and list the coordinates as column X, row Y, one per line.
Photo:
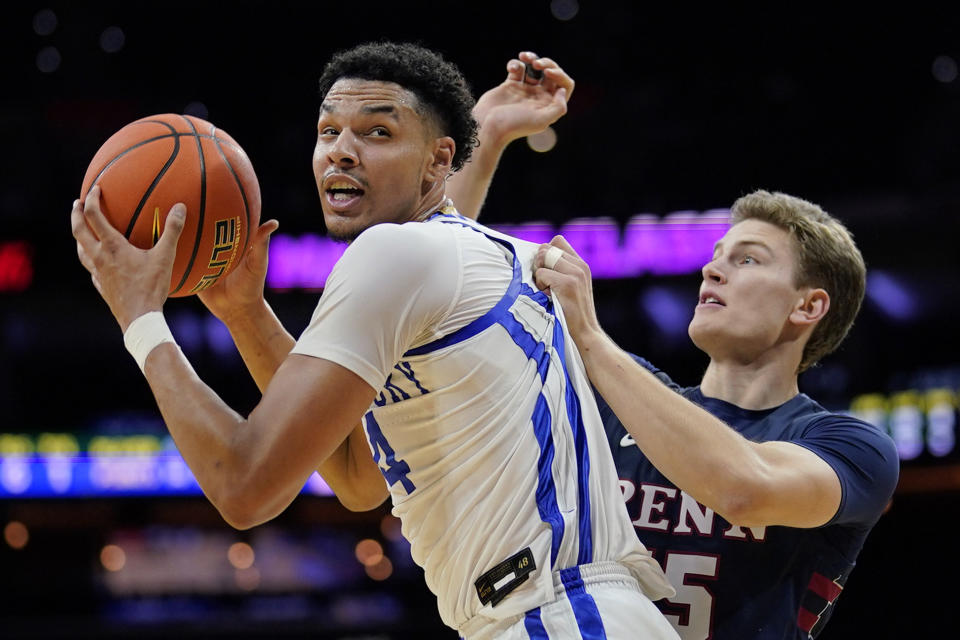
column 153, row 185
column 125, row 152
column 203, row 203
column 243, row 194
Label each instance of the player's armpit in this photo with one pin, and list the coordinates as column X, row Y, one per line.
column 353, row 476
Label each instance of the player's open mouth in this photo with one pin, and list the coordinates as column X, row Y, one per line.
column 341, row 194
column 341, row 191
column 710, row 299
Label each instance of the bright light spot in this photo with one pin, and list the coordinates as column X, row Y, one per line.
column 381, row 570
column 248, row 579
column 543, row 141
column 944, row 69
column 390, row 528
column 892, row 296
column 113, row 558
column 668, row 310
column 48, row 59
column 197, row 109
column 369, row 552
column 16, row 534
column 112, row 39
column 241, row 555
column 564, row 9
column 44, row 22
column 16, row 266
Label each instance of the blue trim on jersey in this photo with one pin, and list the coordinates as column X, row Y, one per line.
column 534, row 625
column 584, row 606
column 490, row 317
column 537, row 296
column 536, row 350
column 547, row 505
column 574, row 414
column 407, row 370
column 480, row 324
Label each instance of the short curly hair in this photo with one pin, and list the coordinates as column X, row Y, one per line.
column 438, row 85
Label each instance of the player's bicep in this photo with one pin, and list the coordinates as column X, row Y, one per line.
column 353, row 475
column 801, row 488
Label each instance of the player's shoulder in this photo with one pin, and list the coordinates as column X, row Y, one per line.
column 846, row 426
column 408, row 243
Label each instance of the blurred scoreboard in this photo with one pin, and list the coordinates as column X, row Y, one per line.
column 55, row 465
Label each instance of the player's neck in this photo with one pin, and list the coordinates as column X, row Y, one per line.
column 432, row 200
column 759, row 384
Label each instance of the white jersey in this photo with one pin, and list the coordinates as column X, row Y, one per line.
column 485, row 427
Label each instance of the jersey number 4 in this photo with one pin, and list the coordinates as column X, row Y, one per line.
column 393, row 470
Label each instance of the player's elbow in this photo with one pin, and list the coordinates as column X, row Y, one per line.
column 240, row 513
column 748, row 500
column 741, row 507
column 244, row 507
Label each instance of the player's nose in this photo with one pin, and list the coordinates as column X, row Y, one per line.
column 343, row 151
column 712, row 273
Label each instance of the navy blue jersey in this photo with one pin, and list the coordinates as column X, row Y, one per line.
column 757, row 582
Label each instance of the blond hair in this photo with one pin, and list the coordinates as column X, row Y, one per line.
column 827, row 258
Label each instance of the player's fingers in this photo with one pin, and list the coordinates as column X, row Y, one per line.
column 560, row 241
column 557, row 106
column 515, row 71
column 260, row 247
column 560, row 78
column 549, row 257
column 94, row 216
column 548, row 280
column 85, row 258
column 172, row 228
column 81, row 230
column 265, row 230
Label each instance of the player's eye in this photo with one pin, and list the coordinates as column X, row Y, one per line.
column 328, row 131
column 748, row 259
column 379, row 132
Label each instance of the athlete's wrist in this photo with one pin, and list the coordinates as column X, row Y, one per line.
column 144, row 334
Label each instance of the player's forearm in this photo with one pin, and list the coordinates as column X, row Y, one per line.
column 212, row 438
column 262, row 341
column 692, row 448
column 468, row 187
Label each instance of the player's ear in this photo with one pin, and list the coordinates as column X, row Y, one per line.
column 812, row 308
column 441, row 159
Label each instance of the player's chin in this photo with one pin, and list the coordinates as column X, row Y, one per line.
column 343, row 228
column 702, row 333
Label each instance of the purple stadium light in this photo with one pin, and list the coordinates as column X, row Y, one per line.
column 891, row 296
column 679, row 243
column 669, row 310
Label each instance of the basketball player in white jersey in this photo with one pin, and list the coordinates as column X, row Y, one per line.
column 473, row 398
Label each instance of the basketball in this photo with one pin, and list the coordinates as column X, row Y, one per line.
column 155, row 162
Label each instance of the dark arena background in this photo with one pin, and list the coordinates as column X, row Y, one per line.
column 676, row 113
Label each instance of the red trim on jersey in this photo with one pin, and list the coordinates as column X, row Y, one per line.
column 806, row 620
column 825, row 587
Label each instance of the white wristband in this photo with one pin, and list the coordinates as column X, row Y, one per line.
column 146, row 333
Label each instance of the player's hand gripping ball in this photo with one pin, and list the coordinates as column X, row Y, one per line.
column 151, row 164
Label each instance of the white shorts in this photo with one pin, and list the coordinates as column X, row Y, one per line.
column 594, row 602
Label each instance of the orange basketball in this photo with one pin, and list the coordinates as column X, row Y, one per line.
column 151, row 164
